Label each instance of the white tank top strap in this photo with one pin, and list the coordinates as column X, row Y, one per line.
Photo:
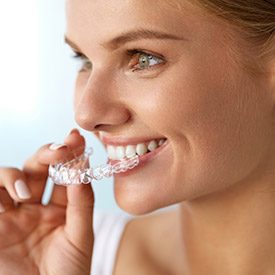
column 108, row 229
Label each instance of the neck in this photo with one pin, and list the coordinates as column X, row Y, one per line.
column 231, row 232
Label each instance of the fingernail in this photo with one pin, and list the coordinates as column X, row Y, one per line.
column 2, row 208
column 56, row 146
column 22, row 190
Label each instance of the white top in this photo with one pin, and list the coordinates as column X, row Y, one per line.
column 108, row 229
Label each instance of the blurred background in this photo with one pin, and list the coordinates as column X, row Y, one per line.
column 37, row 74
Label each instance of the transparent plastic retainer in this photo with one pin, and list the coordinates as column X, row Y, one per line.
column 78, row 170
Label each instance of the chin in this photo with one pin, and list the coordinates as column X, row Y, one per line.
column 135, row 207
column 134, row 204
column 139, row 205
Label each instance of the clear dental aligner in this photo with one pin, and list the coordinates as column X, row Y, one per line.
column 78, row 170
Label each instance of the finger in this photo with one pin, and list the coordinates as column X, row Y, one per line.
column 6, row 202
column 79, row 217
column 53, row 153
column 36, row 167
column 2, row 208
column 15, row 182
column 38, row 164
column 76, row 143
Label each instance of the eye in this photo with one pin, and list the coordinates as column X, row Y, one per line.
column 143, row 61
column 85, row 65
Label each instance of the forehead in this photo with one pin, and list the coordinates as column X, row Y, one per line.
column 103, row 19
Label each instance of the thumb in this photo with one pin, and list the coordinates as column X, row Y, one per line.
column 79, row 217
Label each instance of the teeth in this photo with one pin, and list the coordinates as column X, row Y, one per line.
column 161, row 142
column 141, row 149
column 152, row 145
column 120, row 152
column 130, row 151
column 111, row 150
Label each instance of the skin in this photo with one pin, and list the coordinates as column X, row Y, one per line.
column 218, row 163
column 35, row 239
column 218, row 120
column 215, row 117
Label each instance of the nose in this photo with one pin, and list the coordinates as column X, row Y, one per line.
column 97, row 103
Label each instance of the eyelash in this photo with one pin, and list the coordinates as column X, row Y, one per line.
column 86, row 64
column 132, row 53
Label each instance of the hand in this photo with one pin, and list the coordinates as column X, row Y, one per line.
column 54, row 239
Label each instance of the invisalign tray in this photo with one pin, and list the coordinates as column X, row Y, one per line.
column 78, row 170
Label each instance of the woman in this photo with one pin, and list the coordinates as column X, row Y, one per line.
column 198, row 75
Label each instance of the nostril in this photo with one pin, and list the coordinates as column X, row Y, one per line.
column 102, row 127
column 99, row 126
column 99, row 118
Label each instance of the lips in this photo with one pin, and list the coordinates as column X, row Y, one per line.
column 142, row 159
column 119, row 148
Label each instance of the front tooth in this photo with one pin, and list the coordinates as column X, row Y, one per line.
column 120, row 152
column 152, row 145
column 111, row 150
column 141, row 149
column 130, row 151
column 161, row 142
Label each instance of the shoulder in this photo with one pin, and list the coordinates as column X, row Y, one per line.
column 108, row 229
column 140, row 242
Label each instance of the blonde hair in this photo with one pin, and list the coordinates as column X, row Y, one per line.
column 254, row 18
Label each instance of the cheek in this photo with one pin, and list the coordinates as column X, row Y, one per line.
column 219, row 127
column 225, row 125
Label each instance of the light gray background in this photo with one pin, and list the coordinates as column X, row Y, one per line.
column 37, row 74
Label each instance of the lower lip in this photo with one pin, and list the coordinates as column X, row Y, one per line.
column 142, row 160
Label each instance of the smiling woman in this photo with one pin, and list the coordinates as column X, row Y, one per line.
column 189, row 88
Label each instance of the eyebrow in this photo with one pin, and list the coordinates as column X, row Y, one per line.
column 73, row 45
column 129, row 37
column 138, row 35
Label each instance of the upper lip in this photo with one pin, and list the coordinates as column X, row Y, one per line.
column 123, row 141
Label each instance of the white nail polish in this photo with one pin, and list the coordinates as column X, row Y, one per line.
column 56, row 146
column 2, row 208
column 22, row 190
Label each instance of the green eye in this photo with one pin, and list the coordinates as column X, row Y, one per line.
column 143, row 61
column 146, row 61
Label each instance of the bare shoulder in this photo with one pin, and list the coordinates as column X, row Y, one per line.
column 141, row 241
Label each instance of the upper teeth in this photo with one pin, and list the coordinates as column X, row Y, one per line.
column 119, row 152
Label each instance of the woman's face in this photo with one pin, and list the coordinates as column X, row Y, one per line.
column 188, row 87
